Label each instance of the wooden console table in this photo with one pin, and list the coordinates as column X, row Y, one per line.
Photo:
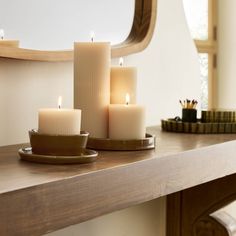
column 37, row 198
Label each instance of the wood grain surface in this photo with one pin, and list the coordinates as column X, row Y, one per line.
column 40, row 198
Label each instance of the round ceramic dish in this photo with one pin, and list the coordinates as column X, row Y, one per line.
column 148, row 142
column 171, row 125
column 85, row 156
column 58, row 145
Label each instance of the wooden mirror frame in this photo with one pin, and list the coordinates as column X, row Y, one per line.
column 139, row 37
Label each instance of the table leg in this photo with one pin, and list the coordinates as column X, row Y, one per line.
column 189, row 211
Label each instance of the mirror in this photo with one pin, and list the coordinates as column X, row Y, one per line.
column 56, row 24
column 47, row 28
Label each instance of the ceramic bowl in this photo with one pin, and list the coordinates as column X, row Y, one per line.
column 58, row 145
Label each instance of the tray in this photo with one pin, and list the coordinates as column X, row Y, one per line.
column 87, row 156
column 199, row 127
column 149, row 142
column 218, row 116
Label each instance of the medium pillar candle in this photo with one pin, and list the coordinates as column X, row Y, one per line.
column 92, row 86
column 59, row 121
column 126, row 121
column 123, row 81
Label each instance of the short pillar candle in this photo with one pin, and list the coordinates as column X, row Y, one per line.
column 59, row 121
column 7, row 42
column 126, row 121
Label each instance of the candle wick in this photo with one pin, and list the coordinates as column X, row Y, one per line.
column 59, row 107
column 127, row 103
column 2, row 37
column 92, row 39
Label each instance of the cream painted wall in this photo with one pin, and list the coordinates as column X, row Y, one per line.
column 168, row 70
column 24, row 88
column 226, row 85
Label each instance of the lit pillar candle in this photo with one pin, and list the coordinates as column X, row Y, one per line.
column 123, row 80
column 92, row 85
column 126, row 121
column 7, row 42
column 59, row 121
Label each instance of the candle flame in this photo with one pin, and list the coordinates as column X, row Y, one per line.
column 1, row 33
column 121, row 61
column 59, row 102
column 92, row 35
column 127, row 99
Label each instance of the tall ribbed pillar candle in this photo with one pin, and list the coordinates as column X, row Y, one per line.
column 92, row 86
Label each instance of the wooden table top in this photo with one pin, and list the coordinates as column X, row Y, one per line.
column 39, row 198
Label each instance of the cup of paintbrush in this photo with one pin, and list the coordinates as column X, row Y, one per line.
column 189, row 112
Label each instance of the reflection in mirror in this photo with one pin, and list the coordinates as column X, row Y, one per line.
column 56, row 24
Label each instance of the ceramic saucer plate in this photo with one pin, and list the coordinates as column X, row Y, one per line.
column 86, row 156
column 149, row 142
